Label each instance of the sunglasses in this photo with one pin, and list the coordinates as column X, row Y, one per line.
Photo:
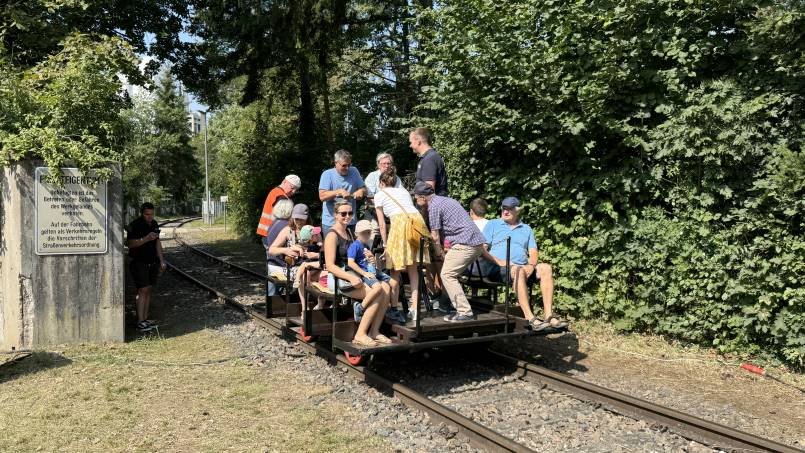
column 345, row 213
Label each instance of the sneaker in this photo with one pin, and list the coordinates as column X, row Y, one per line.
column 443, row 307
column 144, row 327
column 412, row 315
column 460, row 318
column 151, row 322
column 395, row 316
column 357, row 309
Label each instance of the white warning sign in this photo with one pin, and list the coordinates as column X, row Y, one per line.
column 71, row 219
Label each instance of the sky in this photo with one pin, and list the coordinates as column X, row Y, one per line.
column 194, row 104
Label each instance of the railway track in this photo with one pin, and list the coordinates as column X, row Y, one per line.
column 690, row 427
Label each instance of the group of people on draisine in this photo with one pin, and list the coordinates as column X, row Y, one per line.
column 458, row 238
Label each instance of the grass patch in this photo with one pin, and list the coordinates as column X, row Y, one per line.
column 165, row 394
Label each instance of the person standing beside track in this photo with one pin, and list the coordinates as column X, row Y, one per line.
column 147, row 261
column 343, row 181
column 448, row 218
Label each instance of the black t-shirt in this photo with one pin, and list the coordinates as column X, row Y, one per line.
column 431, row 168
column 138, row 229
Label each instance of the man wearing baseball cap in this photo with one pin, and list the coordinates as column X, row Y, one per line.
column 522, row 261
column 449, row 219
column 286, row 189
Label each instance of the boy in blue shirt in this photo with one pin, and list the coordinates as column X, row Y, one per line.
column 361, row 261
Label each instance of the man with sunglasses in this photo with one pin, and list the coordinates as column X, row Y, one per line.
column 343, row 181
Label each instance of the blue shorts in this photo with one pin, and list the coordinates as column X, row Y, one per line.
column 380, row 276
column 496, row 273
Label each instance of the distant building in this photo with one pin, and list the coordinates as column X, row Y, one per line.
column 195, row 120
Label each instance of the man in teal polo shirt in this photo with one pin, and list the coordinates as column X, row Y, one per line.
column 523, row 262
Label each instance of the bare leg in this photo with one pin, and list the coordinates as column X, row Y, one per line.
column 521, row 286
column 370, row 307
column 396, row 284
column 142, row 303
column 413, row 277
column 383, row 304
column 546, row 287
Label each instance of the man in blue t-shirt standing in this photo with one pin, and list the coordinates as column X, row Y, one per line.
column 430, row 169
column 342, row 181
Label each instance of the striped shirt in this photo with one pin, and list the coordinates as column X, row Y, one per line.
column 446, row 214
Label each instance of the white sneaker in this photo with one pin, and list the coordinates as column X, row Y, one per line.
column 412, row 315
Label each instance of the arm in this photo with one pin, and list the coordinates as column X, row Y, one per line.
column 360, row 193
column 381, row 222
column 529, row 268
column 327, row 195
column 330, row 246
column 160, row 254
column 357, row 269
column 277, row 247
column 138, row 242
column 437, row 244
column 488, row 256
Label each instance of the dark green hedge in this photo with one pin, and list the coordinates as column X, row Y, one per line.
column 657, row 145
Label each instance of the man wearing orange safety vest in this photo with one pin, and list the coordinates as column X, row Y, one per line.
column 286, row 189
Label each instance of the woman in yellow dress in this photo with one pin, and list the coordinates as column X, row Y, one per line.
column 401, row 254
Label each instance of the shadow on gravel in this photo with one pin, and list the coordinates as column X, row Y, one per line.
column 179, row 308
column 559, row 352
column 34, row 363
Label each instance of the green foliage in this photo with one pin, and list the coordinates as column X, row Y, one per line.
column 160, row 160
column 657, row 146
column 66, row 109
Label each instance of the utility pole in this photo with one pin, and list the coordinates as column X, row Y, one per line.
column 206, row 171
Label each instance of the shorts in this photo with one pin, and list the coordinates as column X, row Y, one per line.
column 496, row 273
column 380, row 276
column 144, row 274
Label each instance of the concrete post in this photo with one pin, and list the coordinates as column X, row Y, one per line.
column 56, row 299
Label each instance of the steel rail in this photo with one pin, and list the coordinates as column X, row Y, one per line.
column 688, row 426
column 479, row 435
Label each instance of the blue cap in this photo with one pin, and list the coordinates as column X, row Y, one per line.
column 423, row 188
column 510, row 202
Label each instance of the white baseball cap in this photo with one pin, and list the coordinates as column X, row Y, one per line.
column 363, row 225
column 294, row 180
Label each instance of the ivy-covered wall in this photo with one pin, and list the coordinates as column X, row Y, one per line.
column 657, row 145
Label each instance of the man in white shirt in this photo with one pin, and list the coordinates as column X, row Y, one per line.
column 372, row 181
column 478, row 208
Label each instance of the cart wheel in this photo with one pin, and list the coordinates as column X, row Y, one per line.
column 355, row 360
column 305, row 338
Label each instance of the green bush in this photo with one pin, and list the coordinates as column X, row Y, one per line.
column 657, row 146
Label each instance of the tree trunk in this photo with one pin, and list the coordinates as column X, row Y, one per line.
column 307, row 117
column 325, row 93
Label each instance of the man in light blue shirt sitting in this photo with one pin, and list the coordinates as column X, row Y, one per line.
column 523, row 262
column 342, row 181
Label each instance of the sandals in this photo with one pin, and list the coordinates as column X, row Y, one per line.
column 549, row 321
column 556, row 323
column 365, row 342
column 382, row 339
column 538, row 324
